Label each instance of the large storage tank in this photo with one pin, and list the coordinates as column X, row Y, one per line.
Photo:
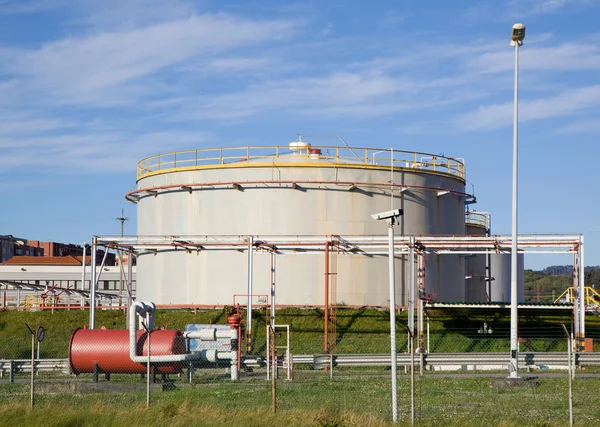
column 295, row 190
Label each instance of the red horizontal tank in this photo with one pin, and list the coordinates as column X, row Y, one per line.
column 109, row 349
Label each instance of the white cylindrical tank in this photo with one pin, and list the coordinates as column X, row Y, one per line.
column 500, row 284
column 476, row 265
column 299, row 190
column 475, row 271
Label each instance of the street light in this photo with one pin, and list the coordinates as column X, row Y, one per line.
column 391, row 217
column 516, row 40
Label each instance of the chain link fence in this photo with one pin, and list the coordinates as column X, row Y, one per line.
column 456, row 375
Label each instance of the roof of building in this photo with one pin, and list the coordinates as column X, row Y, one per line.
column 46, row 260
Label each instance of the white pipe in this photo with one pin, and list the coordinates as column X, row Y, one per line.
column 93, row 284
column 250, row 286
column 147, row 310
column 242, row 240
column 83, row 267
column 581, row 290
column 211, row 334
column 392, row 288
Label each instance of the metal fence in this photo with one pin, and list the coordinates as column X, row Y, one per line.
column 455, row 378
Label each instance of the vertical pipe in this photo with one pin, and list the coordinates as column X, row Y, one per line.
column 514, row 323
column 93, row 285
column 411, row 323
column 148, row 372
column 569, row 367
column 273, row 374
column 576, row 298
column 122, row 219
column 581, row 291
column 18, row 298
column 488, row 261
column 83, row 266
column 268, row 348
column 394, row 360
column 427, row 334
column 250, row 278
column 238, row 365
column 273, row 291
column 129, row 278
column 391, row 179
column 420, row 327
column 411, row 297
column 32, row 365
column 288, row 354
column 326, row 313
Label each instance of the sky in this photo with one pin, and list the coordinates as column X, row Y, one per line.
column 88, row 88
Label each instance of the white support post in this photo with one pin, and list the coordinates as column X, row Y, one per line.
column 393, row 352
column 514, row 291
column 250, row 283
column 93, row 285
column 581, row 291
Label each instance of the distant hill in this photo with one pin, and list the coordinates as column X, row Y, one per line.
column 549, row 283
column 558, row 270
column 566, row 270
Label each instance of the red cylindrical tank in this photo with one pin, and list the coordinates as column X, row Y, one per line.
column 109, row 349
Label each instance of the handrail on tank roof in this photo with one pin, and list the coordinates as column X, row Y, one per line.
column 477, row 219
column 308, row 156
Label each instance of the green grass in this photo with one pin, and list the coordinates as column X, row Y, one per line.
column 358, row 330
column 439, row 401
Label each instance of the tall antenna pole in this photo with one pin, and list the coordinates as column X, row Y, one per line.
column 122, row 220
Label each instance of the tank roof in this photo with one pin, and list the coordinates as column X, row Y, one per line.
column 304, row 155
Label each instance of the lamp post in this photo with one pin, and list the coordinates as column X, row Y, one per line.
column 391, row 217
column 517, row 36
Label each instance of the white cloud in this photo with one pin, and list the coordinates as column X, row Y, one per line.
column 96, row 68
column 565, row 104
column 524, row 8
column 130, row 14
column 343, row 91
column 566, row 56
column 16, row 7
column 104, row 152
column 583, row 126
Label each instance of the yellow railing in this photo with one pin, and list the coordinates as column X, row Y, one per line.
column 592, row 297
column 477, row 219
column 325, row 156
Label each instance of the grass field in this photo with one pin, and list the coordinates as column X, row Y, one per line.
column 440, row 401
column 358, row 330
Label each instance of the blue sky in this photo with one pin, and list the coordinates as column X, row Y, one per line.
column 88, row 88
